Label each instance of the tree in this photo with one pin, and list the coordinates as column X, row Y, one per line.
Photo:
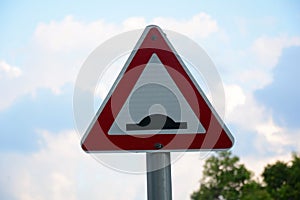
column 283, row 179
column 254, row 191
column 223, row 178
column 294, row 177
column 276, row 176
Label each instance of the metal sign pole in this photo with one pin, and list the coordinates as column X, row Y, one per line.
column 159, row 183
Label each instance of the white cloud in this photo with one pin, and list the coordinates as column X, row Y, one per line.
column 242, row 26
column 253, row 79
column 269, row 49
column 268, row 142
column 257, row 163
column 200, row 25
column 134, row 23
column 269, row 138
column 61, row 170
column 272, row 132
column 186, row 174
column 71, row 35
column 255, row 72
column 46, row 174
column 234, row 97
column 251, row 66
column 59, row 48
column 251, row 69
column 9, row 71
column 248, row 114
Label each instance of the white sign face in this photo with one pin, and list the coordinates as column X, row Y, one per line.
column 156, row 106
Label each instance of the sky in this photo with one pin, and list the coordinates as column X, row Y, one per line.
column 255, row 46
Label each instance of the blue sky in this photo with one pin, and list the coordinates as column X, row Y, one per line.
column 282, row 96
column 255, row 46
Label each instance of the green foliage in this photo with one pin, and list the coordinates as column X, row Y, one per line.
column 275, row 176
column 254, row 191
column 224, row 178
column 283, row 179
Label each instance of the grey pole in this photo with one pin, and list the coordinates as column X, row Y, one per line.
column 159, row 183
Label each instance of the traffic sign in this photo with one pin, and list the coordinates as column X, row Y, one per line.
column 155, row 104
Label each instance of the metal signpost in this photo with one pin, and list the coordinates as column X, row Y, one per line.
column 156, row 106
column 159, row 183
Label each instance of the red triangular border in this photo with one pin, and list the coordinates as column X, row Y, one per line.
column 152, row 41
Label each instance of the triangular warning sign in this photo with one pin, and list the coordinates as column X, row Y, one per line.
column 155, row 104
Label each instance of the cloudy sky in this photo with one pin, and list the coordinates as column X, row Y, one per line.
column 255, row 46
